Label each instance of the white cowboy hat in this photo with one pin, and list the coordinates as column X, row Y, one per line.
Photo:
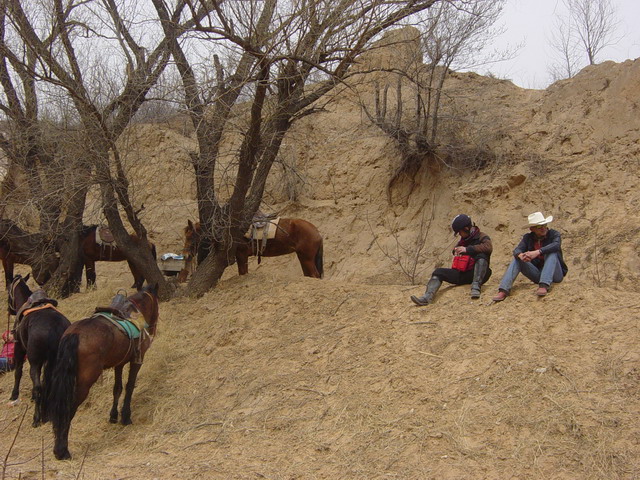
column 537, row 218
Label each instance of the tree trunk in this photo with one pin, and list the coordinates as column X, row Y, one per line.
column 67, row 279
column 209, row 272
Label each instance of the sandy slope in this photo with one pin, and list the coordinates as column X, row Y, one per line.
column 277, row 376
column 326, row 379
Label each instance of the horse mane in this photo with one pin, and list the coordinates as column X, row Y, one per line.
column 19, row 280
column 87, row 229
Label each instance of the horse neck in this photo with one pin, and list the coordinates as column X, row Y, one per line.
column 194, row 240
column 152, row 321
column 190, row 248
column 149, row 313
column 20, row 293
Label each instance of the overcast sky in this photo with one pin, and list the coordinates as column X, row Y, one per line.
column 530, row 22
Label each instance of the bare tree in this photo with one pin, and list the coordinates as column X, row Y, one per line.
column 452, row 35
column 566, row 49
column 67, row 41
column 595, row 23
column 282, row 59
column 32, row 147
column 590, row 26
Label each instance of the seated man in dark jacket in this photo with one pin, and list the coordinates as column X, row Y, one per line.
column 472, row 254
column 538, row 256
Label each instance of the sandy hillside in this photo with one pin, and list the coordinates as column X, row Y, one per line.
column 277, row 376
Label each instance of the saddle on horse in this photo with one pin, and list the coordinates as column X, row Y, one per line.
column 38, row 300
column 263, row 227
column 123, row 315
column 104, row 236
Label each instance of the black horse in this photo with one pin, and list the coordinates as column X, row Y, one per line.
column 38, row 329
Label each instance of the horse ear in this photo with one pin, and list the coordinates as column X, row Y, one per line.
column 27, row 277
column 190, row 224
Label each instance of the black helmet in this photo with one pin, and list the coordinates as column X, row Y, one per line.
column 459, row 222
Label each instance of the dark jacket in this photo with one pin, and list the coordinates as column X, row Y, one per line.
column 551, row 243
column 477, row 243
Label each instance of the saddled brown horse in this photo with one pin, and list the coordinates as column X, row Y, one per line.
column 102, row 252
column 292, row 235
column 38, row 329
column 92, row 345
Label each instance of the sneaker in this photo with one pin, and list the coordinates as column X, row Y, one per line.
column 542, row 291
column 500, row 296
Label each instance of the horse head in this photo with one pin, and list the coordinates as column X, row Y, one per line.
column 191, row 239
column 145, row 302
column 19, row 293
column 190, row 249
column 44, row 267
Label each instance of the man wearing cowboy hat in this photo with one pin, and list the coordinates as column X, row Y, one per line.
column 538, row 256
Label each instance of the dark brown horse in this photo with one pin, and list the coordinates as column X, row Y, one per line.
column 92, row 345
column 292, row 235
column 38, row 329
column 18, row 246
column 103, row 252
column 41, row 273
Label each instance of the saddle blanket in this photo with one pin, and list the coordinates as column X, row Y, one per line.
column 39, row 307
column 131, row 328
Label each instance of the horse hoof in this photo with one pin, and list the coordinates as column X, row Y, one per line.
column 13, row 403
column 126, row 421
column 65, row 455
column 113, row 419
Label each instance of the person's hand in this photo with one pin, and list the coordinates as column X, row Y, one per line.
column 533, row 254
column 460, row 250
column 530, row 255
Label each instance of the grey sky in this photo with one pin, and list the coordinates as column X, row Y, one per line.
column 530, row 22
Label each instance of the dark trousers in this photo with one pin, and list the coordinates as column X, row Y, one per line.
column 456, row 277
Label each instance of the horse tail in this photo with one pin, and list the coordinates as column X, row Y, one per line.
column 47, row 382
column 49, row 368
column 318, row 260
column 61, row 400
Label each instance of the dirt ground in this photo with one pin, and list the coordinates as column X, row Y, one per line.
column 330, row 379
column 274, row 375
